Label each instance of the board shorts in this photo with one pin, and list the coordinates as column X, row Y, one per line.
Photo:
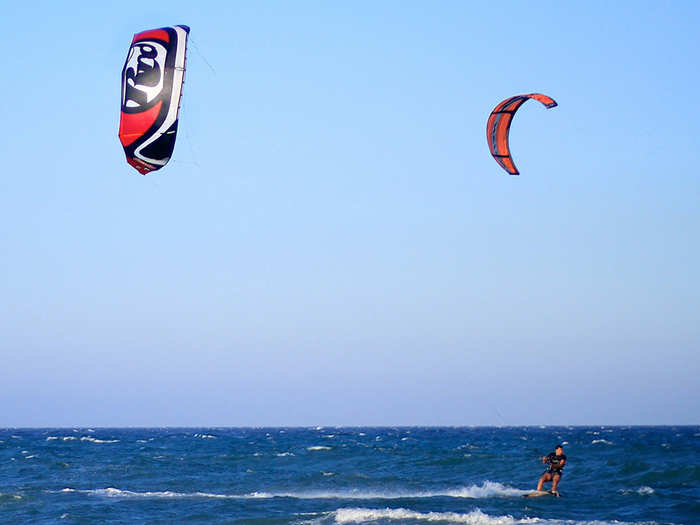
column 553, row 472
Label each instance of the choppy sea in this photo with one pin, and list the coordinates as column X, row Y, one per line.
column 326, row 475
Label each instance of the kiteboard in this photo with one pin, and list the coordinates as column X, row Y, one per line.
column 540, row 493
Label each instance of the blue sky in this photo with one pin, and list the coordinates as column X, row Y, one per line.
column 332, row 242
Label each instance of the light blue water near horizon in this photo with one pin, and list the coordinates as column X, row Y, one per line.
column 328, row 475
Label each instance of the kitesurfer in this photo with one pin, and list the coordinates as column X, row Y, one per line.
column 556, row 461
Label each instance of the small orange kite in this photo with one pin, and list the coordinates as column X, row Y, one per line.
column 498, row 127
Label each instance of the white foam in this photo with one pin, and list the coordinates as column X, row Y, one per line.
column 476, row 517
column 319, row 447
column 487, row 489
column 642, row 491
column 601, row 441
column 84, row 438
column 112, row 492
column 94, row 440
column 204, row 436
column 284, row 454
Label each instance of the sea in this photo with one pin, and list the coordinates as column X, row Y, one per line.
column 332, row 475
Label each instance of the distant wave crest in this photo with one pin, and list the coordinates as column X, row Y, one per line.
column 84, row 438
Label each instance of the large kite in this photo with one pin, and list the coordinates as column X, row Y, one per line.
column 498, row 127
column 151, row 88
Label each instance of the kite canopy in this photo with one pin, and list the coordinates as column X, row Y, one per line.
column 498, row 127
column 151, row 89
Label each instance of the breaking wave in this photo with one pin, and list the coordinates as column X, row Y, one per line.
column 476, row 517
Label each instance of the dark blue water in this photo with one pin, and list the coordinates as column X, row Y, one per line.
column 647, row 475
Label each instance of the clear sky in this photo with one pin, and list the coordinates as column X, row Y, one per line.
column 332, row 243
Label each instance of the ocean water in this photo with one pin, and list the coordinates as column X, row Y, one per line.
column 476, row 476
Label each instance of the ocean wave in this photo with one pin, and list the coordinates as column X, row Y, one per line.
column 488, row 489
column 318, row 447
column 112, row 492
column 204, row 436
column 476, row 517
column 601, row 441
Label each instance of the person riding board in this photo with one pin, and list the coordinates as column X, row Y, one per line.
column 556, row 461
